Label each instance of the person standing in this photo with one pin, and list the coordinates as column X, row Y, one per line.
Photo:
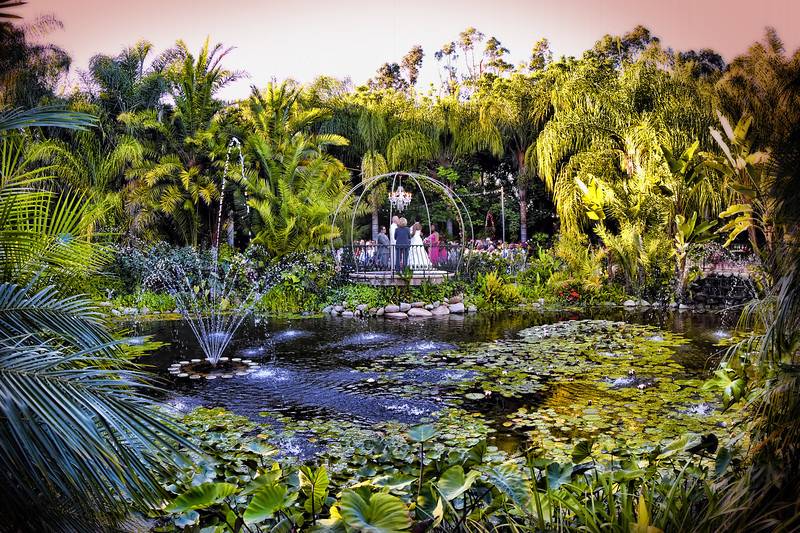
column 392, row 243
column 402, row 242
column 436, row 251
column 383, row 248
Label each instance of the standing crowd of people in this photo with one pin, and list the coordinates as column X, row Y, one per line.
column 401, row 246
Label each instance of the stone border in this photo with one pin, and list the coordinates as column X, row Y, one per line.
column 450, row 306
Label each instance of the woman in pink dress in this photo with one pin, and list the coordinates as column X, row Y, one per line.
column 435, row 250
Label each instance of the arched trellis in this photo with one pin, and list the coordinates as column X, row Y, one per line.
column 395, row 178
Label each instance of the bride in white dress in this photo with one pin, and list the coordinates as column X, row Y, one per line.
column 418, row 257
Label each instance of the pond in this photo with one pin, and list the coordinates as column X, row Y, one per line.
column 522, row 379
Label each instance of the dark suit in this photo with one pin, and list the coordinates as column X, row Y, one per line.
column 402, row 242
column 383, row 250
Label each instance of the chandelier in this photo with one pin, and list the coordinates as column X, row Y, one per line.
column 399, row 199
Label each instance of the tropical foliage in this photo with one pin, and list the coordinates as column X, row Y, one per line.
column 626, row 158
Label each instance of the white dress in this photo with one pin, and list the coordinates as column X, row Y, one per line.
column 392, row 243
column 417, row 256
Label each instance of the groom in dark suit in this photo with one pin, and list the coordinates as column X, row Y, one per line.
column 402, row 242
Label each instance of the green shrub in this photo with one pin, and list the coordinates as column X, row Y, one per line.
column 354, row 294
column 496, row 293
column 154, row 301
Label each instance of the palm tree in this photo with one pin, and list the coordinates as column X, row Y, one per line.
column 297, row 185
column 80, row 442
column 124, row 83
column 41, row 233
column 180, row 187
column 391, row 135
column 94, row 169
column 44, row 117
column 516, row 109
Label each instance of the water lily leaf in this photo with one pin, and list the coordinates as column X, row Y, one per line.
column 382, row 513
column 422, row 433
column 202, row 496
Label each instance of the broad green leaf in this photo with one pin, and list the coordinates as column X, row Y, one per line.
column 453, row 483
column 558, row 474
column 202, row 496
column 383, row 513
column 722, row 461
column 314, row 484
column 508, row 480
column 267, row 501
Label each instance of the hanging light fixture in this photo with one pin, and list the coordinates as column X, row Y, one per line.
column 399, row 199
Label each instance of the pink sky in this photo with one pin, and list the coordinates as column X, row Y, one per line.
column 304, row 38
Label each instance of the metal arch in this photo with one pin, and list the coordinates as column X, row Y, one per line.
column 455, row 200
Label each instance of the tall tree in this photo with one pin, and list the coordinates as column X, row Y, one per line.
column 181, row 186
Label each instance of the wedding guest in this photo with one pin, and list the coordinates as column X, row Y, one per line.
column 383, row 248
column 402, row 237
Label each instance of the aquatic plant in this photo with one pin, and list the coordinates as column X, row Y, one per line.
column 407, row 481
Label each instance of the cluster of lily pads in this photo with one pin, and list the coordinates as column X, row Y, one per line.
column 551, row 385
column 398, row 482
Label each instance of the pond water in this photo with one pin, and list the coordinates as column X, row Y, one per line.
column 521, row 379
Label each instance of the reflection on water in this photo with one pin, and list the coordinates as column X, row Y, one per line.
column 308, row 366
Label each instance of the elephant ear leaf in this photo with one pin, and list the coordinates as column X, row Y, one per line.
column 381, row 513
column 267, row 501
column 314, row 484
column 454, row 482
column 202, row 496
column 508, row 480
column 558, row 474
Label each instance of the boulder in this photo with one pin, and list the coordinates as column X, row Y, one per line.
column 397, row 316
column 145, row 310
column 457, row 308
column 347, row 314
column 391, row 308
column 380, row 311
column 470, row 309
column 418, row 304
column 685, row 307
column 644, row 303
column 115, row 312
column 338, row 308
column 629, row 303
column 419, row 312
column 437, row 303
column 429, row 307
column 327, row 309
column 404, row 307
column 441, row 310
column 361, row 307
column 456, row 299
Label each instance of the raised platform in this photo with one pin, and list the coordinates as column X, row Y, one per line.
column 393, row 279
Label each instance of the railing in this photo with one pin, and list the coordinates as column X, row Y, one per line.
column 396, row 259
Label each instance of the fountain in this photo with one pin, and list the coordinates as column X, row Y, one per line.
column 206, row 297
